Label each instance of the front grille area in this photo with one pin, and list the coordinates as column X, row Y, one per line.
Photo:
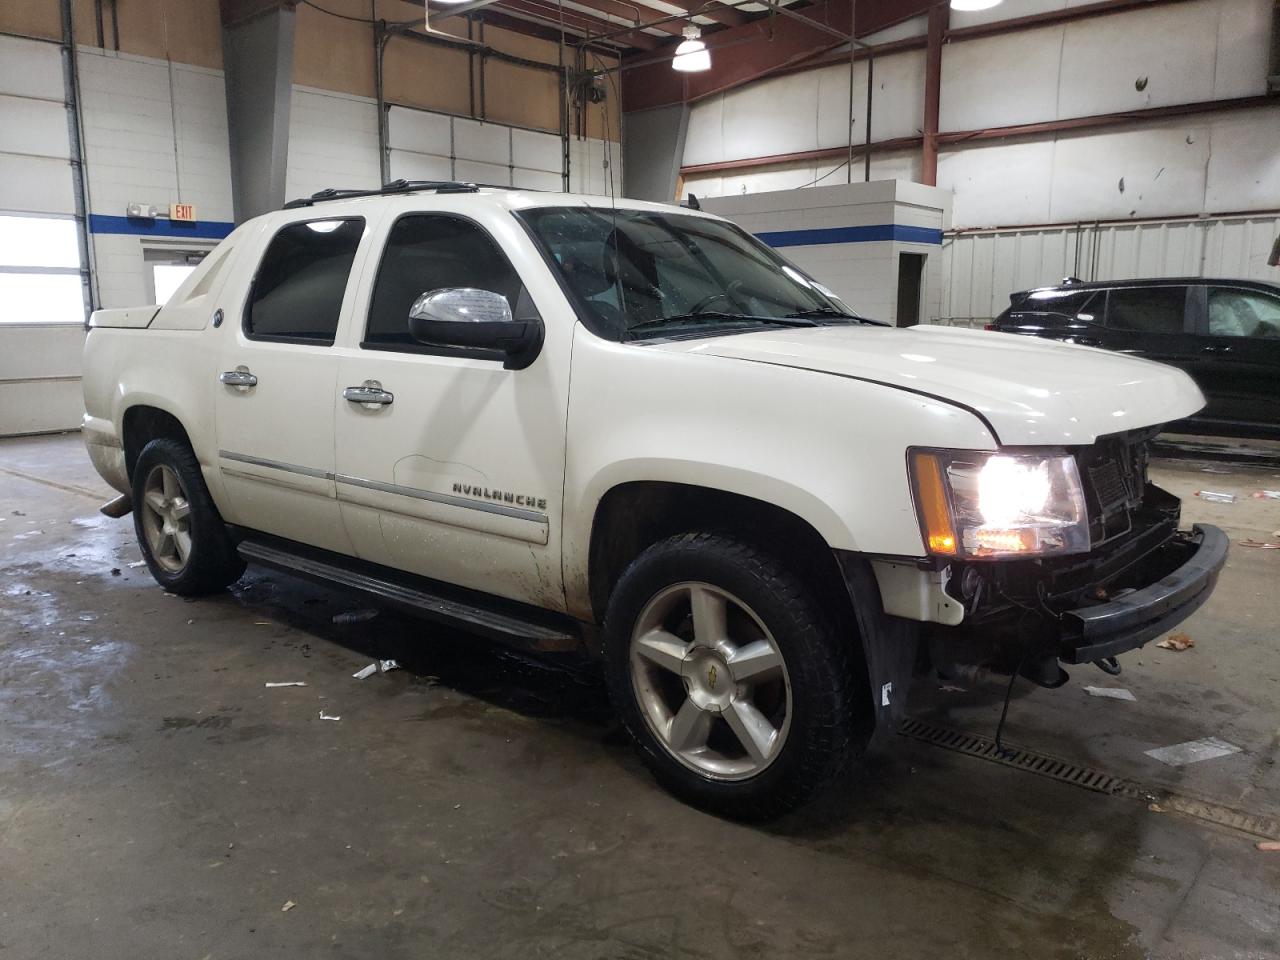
column 1114, row 473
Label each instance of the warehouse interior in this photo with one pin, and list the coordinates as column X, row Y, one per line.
column 924, row 160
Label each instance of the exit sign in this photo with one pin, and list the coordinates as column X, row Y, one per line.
column 182, row 211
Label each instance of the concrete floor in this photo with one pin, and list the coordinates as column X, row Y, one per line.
column 157, row 801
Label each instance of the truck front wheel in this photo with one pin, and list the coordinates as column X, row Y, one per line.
column 180, row 531
column 730, row 677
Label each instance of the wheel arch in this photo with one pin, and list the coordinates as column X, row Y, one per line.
column 141, row 423
column 633, row 515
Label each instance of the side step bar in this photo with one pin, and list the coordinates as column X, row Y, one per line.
column 503, row 622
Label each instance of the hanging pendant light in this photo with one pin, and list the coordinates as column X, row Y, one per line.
column 974, row 4
column 692, row 56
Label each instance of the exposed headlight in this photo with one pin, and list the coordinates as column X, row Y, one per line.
column 989, row 505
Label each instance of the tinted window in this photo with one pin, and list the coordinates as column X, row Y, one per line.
column 297, row 294
column 1085, row 305
column 1243, row 313
column 427, row 252
column 1147, row 309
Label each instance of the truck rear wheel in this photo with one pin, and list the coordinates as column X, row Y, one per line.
column 730, row 677
column 180, row 531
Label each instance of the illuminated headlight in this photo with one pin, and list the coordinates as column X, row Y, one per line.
column 989, row 505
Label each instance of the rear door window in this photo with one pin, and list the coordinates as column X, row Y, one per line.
column 1243, row 313
column 1147, row 309
column 297, row 293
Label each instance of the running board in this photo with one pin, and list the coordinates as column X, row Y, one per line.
column 504, row 621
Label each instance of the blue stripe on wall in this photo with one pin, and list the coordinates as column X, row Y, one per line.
column 137, row 227
column 869, row 234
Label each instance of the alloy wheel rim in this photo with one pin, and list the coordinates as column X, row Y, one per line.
column 166, row 518
column 711, row 681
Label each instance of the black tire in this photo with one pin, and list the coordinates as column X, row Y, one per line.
column 211, row 562
column 829, row 704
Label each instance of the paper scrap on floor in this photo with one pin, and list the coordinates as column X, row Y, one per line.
column 1193, row 751
column 368, row 671
column 1111, row 693
column 325, row 716
column 287, row 683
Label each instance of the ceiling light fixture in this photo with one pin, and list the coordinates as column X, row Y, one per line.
column 692, row 56
column 974, row 4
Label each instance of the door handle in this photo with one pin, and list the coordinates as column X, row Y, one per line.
column 239, row 377
column 369, row 392
column 1214, row 348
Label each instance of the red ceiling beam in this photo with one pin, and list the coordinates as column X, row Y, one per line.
column 760, row 48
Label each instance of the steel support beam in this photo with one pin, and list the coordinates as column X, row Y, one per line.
column 258, row 67
column 939, row 18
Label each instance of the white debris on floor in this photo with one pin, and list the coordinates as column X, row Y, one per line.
column 1110, row 693
column 1193, row 751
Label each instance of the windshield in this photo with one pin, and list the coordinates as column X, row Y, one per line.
column 643, row 274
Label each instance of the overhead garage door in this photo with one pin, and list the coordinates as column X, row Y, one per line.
column 42, row 306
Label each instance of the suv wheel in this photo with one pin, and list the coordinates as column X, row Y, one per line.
column 729, row 677
column 182, row 536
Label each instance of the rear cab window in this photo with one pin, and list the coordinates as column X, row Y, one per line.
column 298, row 289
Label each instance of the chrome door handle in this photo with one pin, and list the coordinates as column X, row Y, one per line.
column 239, row 377
column 369, row 392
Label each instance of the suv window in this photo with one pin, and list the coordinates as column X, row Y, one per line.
column 1083, row 305
column 1243, row 313
column 427, row 252
column 297, row 293
column 1147, row 309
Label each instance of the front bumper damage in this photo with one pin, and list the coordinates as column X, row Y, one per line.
column 1131, row 619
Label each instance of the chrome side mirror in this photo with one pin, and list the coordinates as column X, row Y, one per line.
column 474, row 319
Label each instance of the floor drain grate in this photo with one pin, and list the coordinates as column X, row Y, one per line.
column 1042, row 764
column 1064, row 771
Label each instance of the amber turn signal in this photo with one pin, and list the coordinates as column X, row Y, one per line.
column 935, row 512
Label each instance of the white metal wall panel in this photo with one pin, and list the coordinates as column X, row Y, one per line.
column 406, row 165
column 333, row 142
column 536, row 151
column 1000, row 80
column 779, row 115
column 536, row 180
column 420, row 131
column 1241, row 66
column 203, row 143
column 33, row 127
column 474, row 171
column 1104, row 59
column 127, row 118
column 483, row 142
column 1244, row 162
column 807, row 111
column 35, row 185
column 29, row 68
column 1150, row 172
column 999, row 184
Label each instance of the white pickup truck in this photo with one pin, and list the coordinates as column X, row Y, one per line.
column 560, row 421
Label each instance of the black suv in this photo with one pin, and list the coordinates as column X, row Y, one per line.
column 1225, row 333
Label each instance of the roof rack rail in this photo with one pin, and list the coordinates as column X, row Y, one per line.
column 394, row 187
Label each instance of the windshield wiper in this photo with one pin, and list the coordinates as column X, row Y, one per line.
column 822, row 313
column 718, row 317
column 831, row 313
